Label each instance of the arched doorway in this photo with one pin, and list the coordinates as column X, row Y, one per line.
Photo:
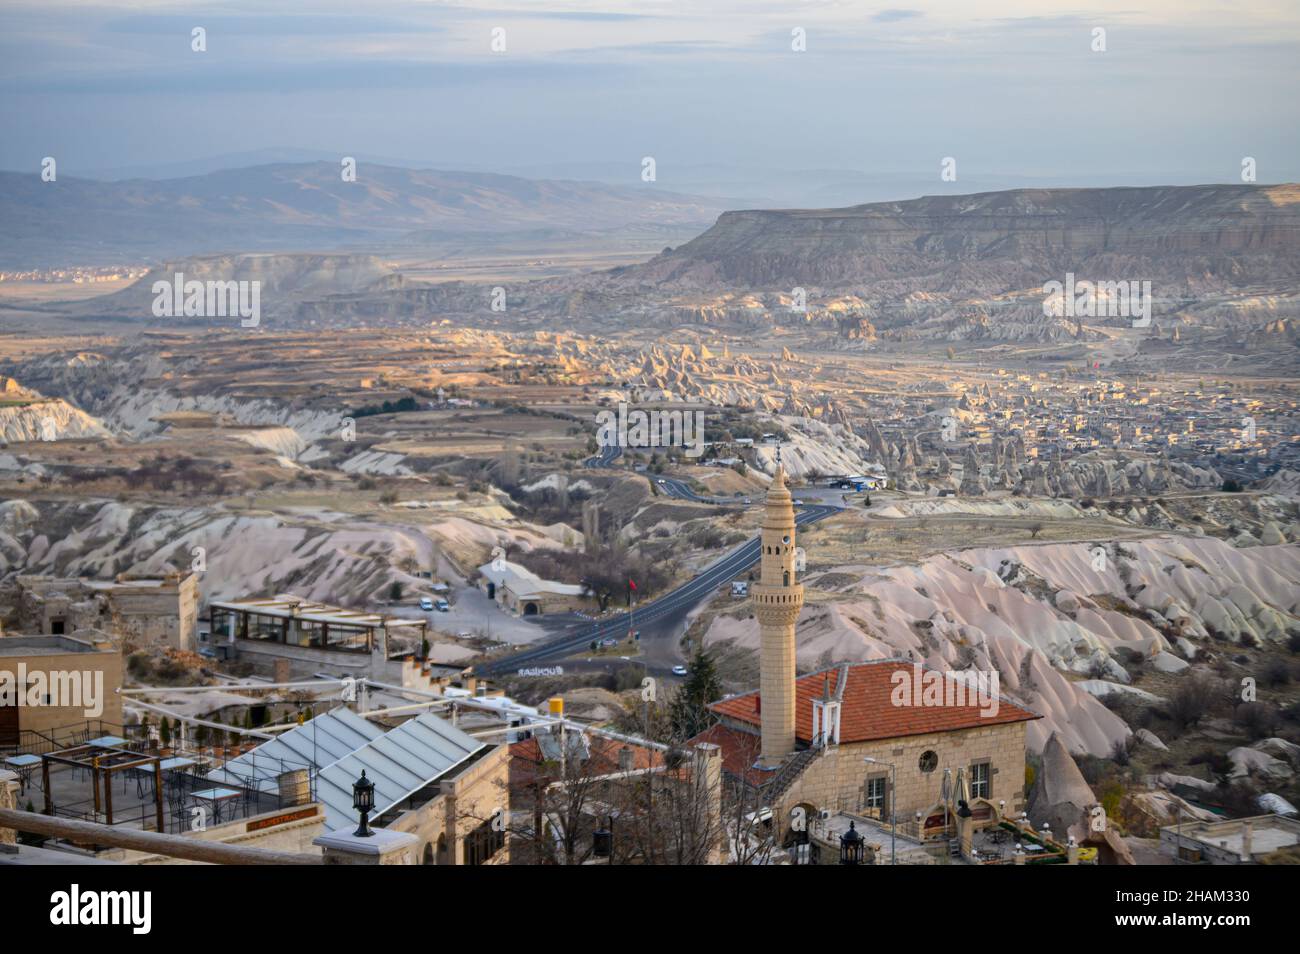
column 935, row 822
column 983, row 813
column 530, row 609
column 492, row 591
column 427, row 858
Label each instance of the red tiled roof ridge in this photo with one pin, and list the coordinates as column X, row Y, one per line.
column 864, row 717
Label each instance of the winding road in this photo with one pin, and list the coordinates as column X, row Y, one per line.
column 662, row 613
column 608, row 454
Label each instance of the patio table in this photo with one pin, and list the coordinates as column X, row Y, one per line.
column 24, row 765
column 216, row 797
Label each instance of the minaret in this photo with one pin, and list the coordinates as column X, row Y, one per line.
column 777, row 601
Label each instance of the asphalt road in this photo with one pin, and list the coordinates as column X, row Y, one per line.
column 681, row 490
column 608, row 454
column 671, row 607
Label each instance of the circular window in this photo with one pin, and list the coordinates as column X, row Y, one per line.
column 929, row 761
column 786, row 538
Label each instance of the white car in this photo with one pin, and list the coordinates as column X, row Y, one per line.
column 426, row 604
column 679, row 670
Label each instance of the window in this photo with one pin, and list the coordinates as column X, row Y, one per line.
column 929, row 761
column 980, row 780
column 482, row 843
column 876, row 793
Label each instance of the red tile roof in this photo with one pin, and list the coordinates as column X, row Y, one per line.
column 528, row 765
column 868, row 711
column 740, row 750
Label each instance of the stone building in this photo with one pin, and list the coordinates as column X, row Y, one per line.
column 432, row 781
column 143, row 612
column 65, row 682
column 522, row 592
column 287, row 636
column 886, row 739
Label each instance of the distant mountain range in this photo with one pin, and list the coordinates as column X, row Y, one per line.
column 996, row 242
column 307, row 207
column 1223, row 263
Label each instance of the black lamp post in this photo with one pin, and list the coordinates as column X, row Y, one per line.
column 851, row 845
column 363, row 800
column 602, row 841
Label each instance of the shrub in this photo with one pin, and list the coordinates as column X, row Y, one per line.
column 1258, row 719
column 1190, row 702
column 1276, row 672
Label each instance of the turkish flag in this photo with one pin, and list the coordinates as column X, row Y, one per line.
column 631, row 585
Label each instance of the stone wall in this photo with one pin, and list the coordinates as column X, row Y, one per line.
column 64, row 655
column 837, row 779
column 145, row 613
column 464, row 803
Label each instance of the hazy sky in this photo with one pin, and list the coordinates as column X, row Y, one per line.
column 1007, row 87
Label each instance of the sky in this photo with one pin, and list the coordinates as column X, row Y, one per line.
column 1183, row 91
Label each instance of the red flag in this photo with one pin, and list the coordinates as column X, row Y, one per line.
column 631, row 585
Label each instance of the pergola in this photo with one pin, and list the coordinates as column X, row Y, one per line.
column 102, row 763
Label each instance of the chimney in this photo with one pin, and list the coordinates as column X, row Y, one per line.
column 1247, row 837
column 294, row 787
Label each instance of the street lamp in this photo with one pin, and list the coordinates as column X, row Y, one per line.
column 851, row 845
column 602, row 841
column 363, row 800
column 893, row 815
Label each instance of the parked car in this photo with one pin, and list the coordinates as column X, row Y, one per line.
column 426, row 604
column 679, row 670
column 442, row 606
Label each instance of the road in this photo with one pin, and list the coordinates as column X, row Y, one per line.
column 662, row 615
column 681, row 490
column 608, row 454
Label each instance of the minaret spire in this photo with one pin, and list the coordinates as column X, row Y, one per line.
column 778, row 597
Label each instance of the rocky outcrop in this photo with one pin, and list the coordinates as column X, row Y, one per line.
column 1025, row 235
column 1062, row 799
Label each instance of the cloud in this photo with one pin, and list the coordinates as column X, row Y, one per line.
column 895, row 14
column 266, row 25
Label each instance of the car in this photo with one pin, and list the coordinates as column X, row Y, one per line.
column 747, row 500
column 426, row 604
column 679, row 670
column 442, row 606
